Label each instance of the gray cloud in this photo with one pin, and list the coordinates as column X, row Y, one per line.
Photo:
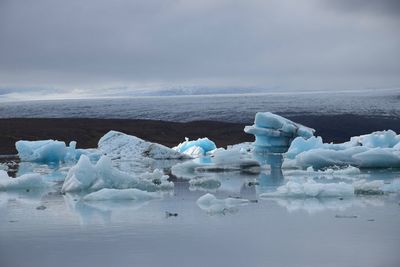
column 378, row 7
column 94, row 44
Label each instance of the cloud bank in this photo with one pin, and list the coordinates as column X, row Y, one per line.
column 87, row 46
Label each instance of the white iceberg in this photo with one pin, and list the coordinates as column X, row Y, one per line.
column 121, row 194
column 211, row 204
column 379, row 149
column 85, row 176
column 23, row 182
column 196, row 148
column 134, row 155
column 118, row 145
column 382, row 139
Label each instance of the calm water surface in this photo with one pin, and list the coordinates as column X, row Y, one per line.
column 359, row 231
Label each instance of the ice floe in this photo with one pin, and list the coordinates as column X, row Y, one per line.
column 275, row 133
column 23, row 182
column 85, row 176
column 51, row 151
column 379, row 149
column 211, row 204
column 195, row 148
column 134, row 155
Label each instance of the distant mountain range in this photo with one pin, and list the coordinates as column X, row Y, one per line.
column 203, row 91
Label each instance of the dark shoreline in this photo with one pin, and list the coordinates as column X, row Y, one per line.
column 87, row 132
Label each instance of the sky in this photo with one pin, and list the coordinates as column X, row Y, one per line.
column 89, row 48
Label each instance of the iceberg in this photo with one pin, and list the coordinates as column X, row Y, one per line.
column 118, row 145
column 275, row 133
column 51, row 151
column 85, row 176
column 379, row 149
column 41, row 151
column 134, row 155
column 121, row 194
column 23, row 182
column 196, row 148
column 381, row 139
column 273, row 136
column 212, row 205
column 221, row 161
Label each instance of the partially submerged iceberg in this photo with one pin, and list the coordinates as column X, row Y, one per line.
column 379, row 149
column 273, row 137
column 118, row 145
column 221, row 161
column 275, row 133
column 51, row 151
column 211, row 204
column 85, row 176
column 134, row 155
column 23, row 182
column 196, row 148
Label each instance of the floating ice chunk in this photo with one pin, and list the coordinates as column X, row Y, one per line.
column 221, row 161
column 85, row 176
column 320, row 158
column 378, row 158
column 310, row 188
column 211, row 204
column 274, row 133
column 23, row 182
column 300, row 145
column 329, row 172
column 397, row 147
column 393, row 187
column 204, row 183
column 382, row 139
column 121, row 194
column 363, row 187
column 376, row 150
column 118, row 145
column 195, row 148
column 52, row 151
column 134, row 155
column 41, row 151
column 235, row 159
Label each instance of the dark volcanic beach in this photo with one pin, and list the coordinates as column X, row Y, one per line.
column 87, row 132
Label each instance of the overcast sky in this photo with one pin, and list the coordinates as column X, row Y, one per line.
column 83, row 47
